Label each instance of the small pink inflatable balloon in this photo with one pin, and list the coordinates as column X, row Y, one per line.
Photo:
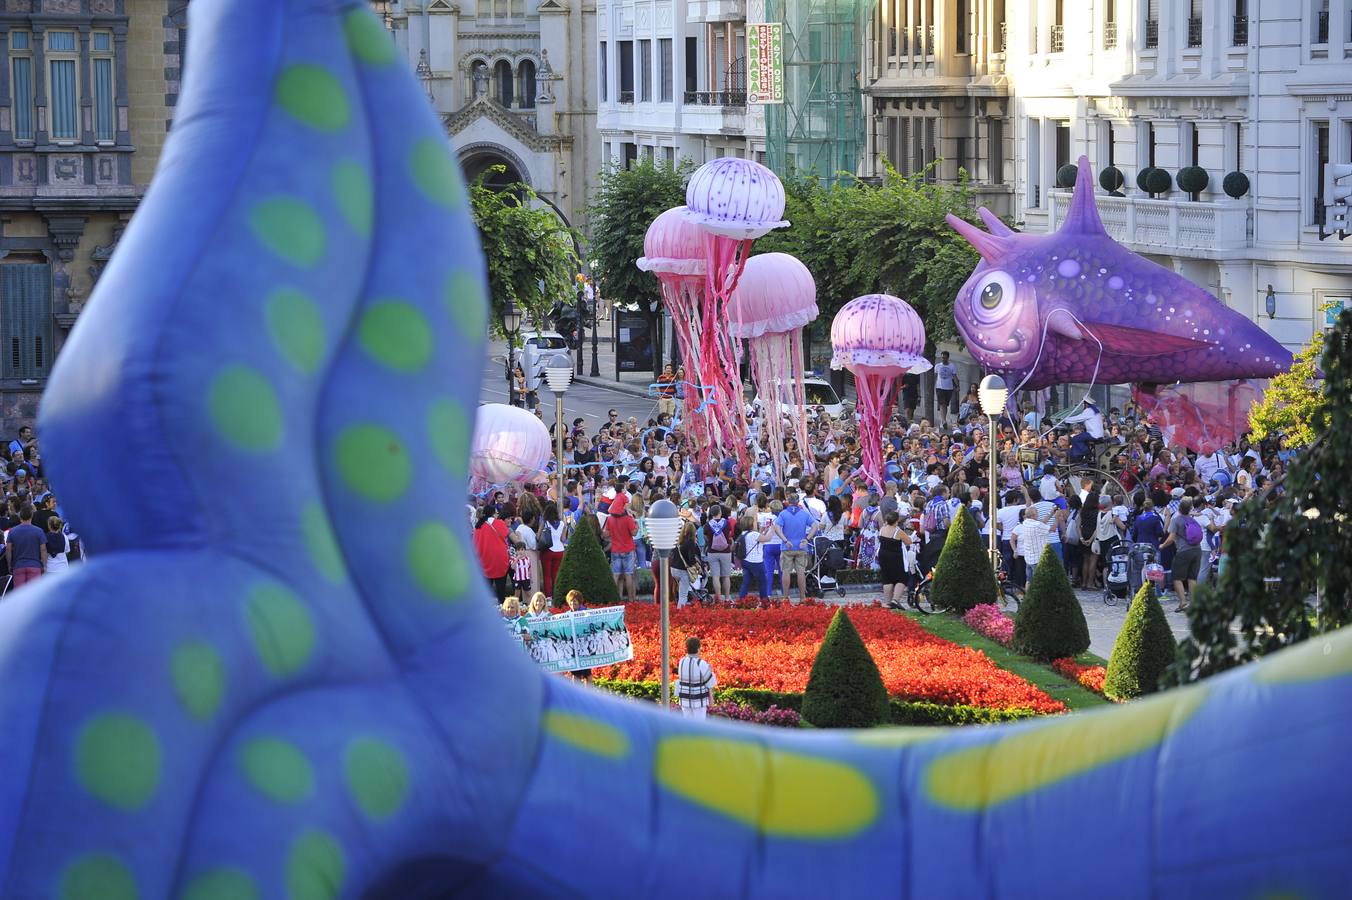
column 510, row 445
column 674, row 245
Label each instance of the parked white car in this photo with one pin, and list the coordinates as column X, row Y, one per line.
column 819, row 394
column 538, row 349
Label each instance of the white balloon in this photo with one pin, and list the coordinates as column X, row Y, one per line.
column 510, row 444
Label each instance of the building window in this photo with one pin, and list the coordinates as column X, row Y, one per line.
column 1152, row 24
column 669, row 153
column 893, row 140
column 605, row 72
column 1062, row 145
column 1239, row 30
column 1057, row 37
column 1034, row 163
column 645, row 71
column 63, row 88
column 1110, row 24
column 665, row 63
column 527, row 75
column 21, row 73
column 1320, row 159
column 502, row 74
column 1195, row 23
column 1150, row 144
column 26, row 319
column 630, row 151
column 996, row 137
column 105, row 110
column 1321, row 22
column 962, row 25
column 626, row 71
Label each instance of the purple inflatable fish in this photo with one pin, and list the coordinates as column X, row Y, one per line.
column 1076, row 306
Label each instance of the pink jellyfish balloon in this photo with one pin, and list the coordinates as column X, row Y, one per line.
column 510, row 446
column 673, row 250
column 879, row 338
column 734, row 201
column 775, row 297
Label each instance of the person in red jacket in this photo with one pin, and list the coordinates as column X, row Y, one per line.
column 493, row 542
column 621, row 527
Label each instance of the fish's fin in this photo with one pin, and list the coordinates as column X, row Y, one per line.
column 1139, row 342
column 1083, row 217
column 1065, row 325
column 994, row 224
column 994, row 248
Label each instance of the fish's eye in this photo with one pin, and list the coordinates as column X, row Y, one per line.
column 993, row 297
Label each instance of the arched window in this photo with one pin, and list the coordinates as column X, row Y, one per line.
column 527, row 70
column 502, row 74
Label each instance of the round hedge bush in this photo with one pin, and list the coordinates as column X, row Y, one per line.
column 845, row 688
column 1050, row 623
column 1236, row 184
column 1111, row 180
column 1141, row 178
column 1157, row 181
column 1065, row 176
column 1193, row 179
column 1144, row 649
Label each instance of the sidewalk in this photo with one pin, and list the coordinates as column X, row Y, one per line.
column 633, row 383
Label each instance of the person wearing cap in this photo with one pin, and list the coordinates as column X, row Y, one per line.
column 621, row 528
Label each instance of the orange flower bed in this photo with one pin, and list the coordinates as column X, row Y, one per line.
column 1090, row 677
column 772, row 648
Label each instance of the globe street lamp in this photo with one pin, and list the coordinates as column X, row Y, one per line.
column 993, row 395
column 559, row 374
column 511, row 323
column 664, row 529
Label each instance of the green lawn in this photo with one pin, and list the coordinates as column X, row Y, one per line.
column 951, row 628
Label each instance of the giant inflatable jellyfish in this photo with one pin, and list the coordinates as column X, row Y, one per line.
column 1075, row 306
column 281, row 676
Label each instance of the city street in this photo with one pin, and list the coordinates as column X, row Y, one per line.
column 587, row 400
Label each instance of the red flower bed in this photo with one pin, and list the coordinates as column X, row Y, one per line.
column 772, row 646
column 1089, row 676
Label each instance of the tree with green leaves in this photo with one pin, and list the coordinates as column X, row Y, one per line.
column 963, row 576
column 845, row 688
column 624, row 205
column 1286, row 572
column 1050, row 623
column 1294, row 400
column 530, row 253
column 1143, row 651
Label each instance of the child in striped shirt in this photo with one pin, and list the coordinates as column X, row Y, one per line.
column 521, row 572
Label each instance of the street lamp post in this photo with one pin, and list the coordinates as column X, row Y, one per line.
column 559, row 374
column 664, row 527
column 596, row 307
column 511, row 323
column 993, row 395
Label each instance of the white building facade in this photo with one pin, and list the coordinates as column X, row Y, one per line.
column 1259, row 87
column 672, row 81
column 515, row 82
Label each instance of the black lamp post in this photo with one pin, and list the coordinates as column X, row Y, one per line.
column 596, row 307
column 511, row 323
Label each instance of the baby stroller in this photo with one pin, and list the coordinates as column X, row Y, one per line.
column 1117, row 575
column 827, row 559
column 1141, row 556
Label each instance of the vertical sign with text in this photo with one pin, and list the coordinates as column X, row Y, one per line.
column 765, row 62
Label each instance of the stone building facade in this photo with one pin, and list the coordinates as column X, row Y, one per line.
column 87, row 89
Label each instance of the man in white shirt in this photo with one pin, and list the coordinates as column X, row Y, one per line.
column 695, row 682
column 1007, row 520
column 945, row 386
column 1091, row 417
column 1030, row 538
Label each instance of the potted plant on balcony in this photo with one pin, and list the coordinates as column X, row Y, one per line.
column 1065, row 176
column 1111, row 180
column 1193, row 179
column 1236, row 184
column 1154, row 180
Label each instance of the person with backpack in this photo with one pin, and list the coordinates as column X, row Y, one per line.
column 934, row 522
column 719, row 534
column 1186, row 535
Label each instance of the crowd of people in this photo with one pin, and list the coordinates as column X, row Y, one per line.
column 38, row 540
column 767, row 523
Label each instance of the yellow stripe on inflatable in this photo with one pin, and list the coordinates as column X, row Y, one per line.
column 777, row 792
column 978, row 778
column 1328, row 656
column 587, row 734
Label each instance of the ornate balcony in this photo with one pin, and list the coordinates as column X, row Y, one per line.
column 1194, row 32
column 1166, row 226
column 1109, row 35
column 1057, row 39
column 1239, row 32
column 1152, row 33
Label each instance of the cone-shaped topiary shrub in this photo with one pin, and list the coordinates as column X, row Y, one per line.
column 586, row 569
column 1144, row 649
column 1050, row 623
column 845, row 689
column 963, row 576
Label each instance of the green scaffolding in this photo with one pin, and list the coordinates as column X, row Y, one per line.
column 819, row 128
